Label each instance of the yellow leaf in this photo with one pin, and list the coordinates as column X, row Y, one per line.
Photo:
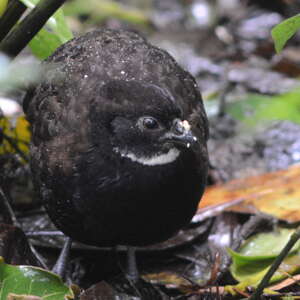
column 3, row 5
column 16, row 134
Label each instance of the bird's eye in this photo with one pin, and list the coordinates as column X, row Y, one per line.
column 150, row 123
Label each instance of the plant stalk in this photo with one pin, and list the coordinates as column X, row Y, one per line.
column 11, row 16
column 284, row 252
column 22, row 34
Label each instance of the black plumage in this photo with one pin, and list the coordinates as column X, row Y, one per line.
column 119, row 132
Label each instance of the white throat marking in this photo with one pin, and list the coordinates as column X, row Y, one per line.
column 155, row 160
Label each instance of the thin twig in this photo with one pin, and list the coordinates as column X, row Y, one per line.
column 22, row 34
column 222, row 102
column 9, row 211
column 38, row 256
column 11, row 16
column 284, row 252
column 31, row 234
column 14, row 221
column 281, row 295
column 61, row 264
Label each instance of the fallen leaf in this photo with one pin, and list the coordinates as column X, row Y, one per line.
column 255, row 257
column 275, row 193
column 33, row 281
column 285, row 283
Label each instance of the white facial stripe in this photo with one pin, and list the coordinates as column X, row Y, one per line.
column 155, row 160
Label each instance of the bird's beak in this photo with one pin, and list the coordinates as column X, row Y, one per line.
column 181, row 134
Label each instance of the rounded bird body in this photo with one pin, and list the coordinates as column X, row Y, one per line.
column 119, row 132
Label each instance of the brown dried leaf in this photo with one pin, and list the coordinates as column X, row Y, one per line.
column 285, row 283
column 275, row 193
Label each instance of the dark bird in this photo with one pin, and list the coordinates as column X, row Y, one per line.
column 118, row 152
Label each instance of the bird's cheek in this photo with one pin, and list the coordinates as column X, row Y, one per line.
column 167, row 145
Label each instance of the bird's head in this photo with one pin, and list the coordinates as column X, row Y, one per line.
column 147, row 126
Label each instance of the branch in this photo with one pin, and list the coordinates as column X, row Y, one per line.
column 19, row 37
column 11, row 16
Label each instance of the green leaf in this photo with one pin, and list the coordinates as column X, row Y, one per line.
column 258, row 253
column 55, row 33
column 59, row 26
column 27, row 280
column 3, row 5
column 257, row 109
column 44, row 44
column 282, row 32
column 268, row 244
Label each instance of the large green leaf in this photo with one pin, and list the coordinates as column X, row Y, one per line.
column 27, row 280
column 268, row 244
column 282, row 32
column 55, row 33
column 44, row 43
column 258, row 253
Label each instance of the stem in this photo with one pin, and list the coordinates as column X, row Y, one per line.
column 284, row 252
column 38, row 257
column 61, row 264
column 22, row 34
column 9, row 213
column 11, row 16
column 31, row 234
column 132, row 271
column 13, row 220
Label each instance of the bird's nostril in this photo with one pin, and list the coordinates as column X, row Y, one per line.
column 178, row 128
